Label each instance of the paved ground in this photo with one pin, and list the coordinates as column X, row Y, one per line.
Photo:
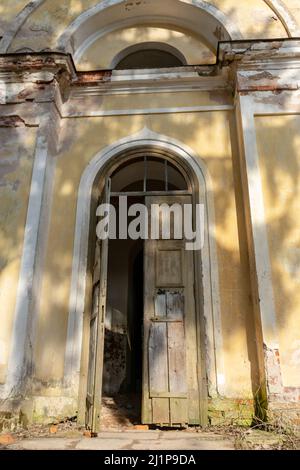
column 130, row 440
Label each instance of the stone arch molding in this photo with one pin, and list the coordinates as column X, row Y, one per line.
column 82, row 22
column 110, row 15
column 286, row 18
column 193, row 15
column 207, row 265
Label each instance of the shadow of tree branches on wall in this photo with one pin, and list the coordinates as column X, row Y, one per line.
column 213, row 137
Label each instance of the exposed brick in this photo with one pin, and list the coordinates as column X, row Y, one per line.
column 141, row 427
column 53, row 429
column 85, row 78
column 7, row 439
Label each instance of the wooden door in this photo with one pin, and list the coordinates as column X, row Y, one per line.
column 97, row 330
column 170, row 382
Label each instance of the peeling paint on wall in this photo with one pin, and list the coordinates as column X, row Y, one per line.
column 273, row 371
column 12, row 121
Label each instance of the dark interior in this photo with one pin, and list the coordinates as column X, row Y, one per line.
column 123, row 347
column 149, row 59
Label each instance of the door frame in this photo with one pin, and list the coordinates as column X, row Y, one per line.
column 98, row 314
column 210, row 362
column 100, row 346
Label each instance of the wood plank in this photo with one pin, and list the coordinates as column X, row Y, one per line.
column 168, row 265
column 100, row 327
column 97, row 264
column 154, row 394
column 178, row 411
column 177, row 373
column 191, row 342
column 89, row 399
column 161, row 411
column 201, row 349
column 92, row 361
column 158, row 358
column 95, row 306
column 165, row 320
column 175, row 305
column 149, row 289
column 177, row 358
column 160, row 305
column 158, row 371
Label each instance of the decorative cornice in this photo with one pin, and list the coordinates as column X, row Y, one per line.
column 149, row 81
column 36, row 77
column 262, row 65
column 54, row 62
column 267, row 80
column 258, row 53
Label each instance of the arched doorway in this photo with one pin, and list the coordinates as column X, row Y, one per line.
column 144, row 344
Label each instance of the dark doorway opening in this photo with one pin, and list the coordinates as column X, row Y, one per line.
column 123, row 345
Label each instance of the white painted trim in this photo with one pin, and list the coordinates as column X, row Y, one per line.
column 286, row 18
column 154, row 20
column 209, row 271
column 257, row 222
column 81, row 23
column 136, row 112
column 109, row 91
column 179, row 80
column 16, row 364
column 173, row 74
column 191, row 78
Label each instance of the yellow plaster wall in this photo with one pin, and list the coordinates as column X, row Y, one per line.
column 254, row 18
column 294, row 8
column 102, row 52
column 16, row 159
column 8, row 10
column 208, row 134
column 138, row 101
column 279, row 150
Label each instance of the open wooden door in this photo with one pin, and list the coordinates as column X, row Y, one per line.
column 170, row 382
column 97, row 330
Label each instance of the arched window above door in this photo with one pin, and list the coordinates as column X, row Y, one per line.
column 148, row 174
column 149, row 55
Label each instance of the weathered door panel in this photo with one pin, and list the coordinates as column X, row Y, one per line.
column 92, row 357
column 170, row 383
column 97, row 329
column 177, row 373
column 158, row 372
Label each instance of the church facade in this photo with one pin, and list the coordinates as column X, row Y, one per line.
column 160, row 102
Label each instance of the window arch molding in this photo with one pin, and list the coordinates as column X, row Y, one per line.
column 192, row 15
column 283, row 13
